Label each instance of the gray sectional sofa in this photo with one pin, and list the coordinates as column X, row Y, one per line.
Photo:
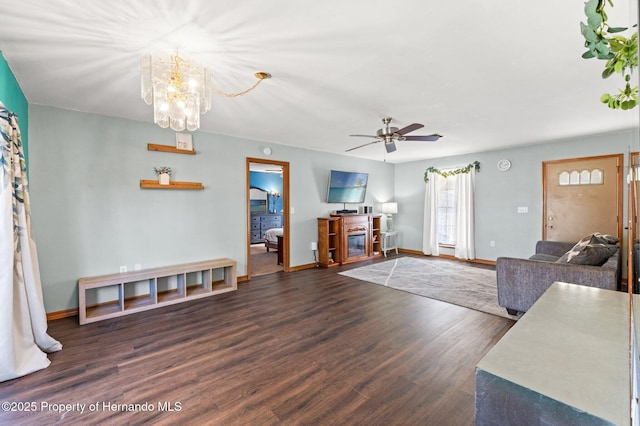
column 522, row 281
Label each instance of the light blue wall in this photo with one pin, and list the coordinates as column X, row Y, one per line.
column 14, row 100
column 89, row 215
column 499, row 194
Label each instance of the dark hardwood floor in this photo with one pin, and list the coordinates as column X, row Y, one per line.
column 309, row 347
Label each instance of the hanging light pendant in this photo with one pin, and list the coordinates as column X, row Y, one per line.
column 180, row 90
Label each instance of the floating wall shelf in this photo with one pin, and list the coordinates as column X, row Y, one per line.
column 172, row 185
column 169, row 148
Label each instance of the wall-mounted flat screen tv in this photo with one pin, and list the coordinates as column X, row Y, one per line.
column 347, row 187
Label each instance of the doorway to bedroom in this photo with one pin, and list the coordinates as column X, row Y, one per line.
column 267, row 216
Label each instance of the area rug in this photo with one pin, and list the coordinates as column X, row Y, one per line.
column 445, row 280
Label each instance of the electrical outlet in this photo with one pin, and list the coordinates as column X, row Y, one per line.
column 492, row 243
column 314, row 246
column 123, row 268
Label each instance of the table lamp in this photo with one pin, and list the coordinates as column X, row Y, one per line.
column 389, row 209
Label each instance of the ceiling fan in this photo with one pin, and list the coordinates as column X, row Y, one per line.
column 389, row 135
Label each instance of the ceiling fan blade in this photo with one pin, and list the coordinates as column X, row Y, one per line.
column 365, row 136
column 390, row 146
column 426, row 138
column 361, row 146
column 409, row 128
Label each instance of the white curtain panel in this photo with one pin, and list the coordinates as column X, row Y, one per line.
column 24, row 341
column 430, row 223
column 465, row 229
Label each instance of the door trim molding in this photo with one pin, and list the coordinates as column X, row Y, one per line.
column 285, row 214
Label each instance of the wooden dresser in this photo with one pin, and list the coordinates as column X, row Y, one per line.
column 261, row 223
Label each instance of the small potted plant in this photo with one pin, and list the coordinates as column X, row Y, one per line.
column 164, row 174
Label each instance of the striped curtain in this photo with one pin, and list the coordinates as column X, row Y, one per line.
column 24, row 341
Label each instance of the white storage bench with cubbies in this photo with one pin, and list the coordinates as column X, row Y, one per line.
column 114, row 295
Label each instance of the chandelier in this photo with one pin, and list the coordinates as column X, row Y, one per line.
column 180, row 90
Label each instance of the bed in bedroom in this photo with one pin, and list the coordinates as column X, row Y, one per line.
column 273, row 240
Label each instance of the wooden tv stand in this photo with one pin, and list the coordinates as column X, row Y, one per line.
column 347, row 238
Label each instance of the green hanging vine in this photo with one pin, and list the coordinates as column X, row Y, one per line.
column 475, row 165
column 621, row 53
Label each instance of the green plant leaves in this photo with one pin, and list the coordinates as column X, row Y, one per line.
column 466, row 169
column 613, row 30
column 595, row 21
column 607, row 72
column 588, row 33
column 620, row 52
column 597, row 44
column 619, row 66
column 625, row 100
column 602, row 51
column 591, row 7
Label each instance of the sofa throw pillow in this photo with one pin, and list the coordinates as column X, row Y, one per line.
column 590, row 250
column 594, row 254
column 575, row 250
column 599, row 238
column 589, row 254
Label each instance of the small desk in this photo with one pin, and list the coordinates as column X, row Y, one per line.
column 389, row 241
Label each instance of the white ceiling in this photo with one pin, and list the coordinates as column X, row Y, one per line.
column 486, row 74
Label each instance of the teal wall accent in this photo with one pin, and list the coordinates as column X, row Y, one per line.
column 12, row 97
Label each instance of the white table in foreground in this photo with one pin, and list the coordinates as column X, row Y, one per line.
column 389, row 241
column 565, row 362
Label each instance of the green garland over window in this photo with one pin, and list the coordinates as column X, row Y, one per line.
column 447, row 173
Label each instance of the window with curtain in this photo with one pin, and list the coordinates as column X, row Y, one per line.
column 449, row 211
column 446, row 211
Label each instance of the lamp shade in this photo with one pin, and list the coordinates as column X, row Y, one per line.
column 389, row 208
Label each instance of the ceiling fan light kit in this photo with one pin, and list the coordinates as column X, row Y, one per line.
column 390, row 135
